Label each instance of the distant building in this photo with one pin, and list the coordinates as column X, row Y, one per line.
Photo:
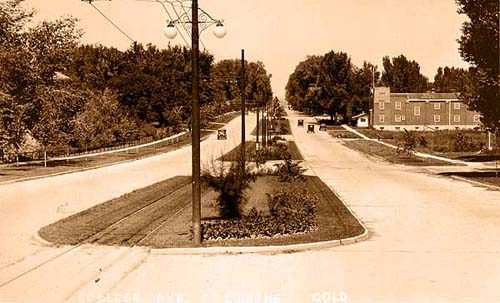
column 420, row 111
column 361, row 120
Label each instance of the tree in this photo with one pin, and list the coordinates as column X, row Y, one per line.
column 103, row 122
column 361, row 87
column 479, row 45
column 335, row 77
column 450, row 79
column 303, row 87
column 29, row 57
column 58, row 108
column 403, row 75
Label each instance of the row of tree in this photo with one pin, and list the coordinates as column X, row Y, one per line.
column 331, row 84
column 56, row 93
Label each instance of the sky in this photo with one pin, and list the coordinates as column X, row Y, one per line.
column 281, row 33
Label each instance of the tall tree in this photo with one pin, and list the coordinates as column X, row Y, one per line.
column 403, row 75
column 450, row 79
column 479, row 45
column 336, row 77
column 361, row 87
column 303, row 89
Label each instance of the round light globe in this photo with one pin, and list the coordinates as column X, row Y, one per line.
column 220, row 30
column 170, row 31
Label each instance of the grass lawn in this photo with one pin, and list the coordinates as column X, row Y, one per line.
column 390, row 154
column 281, row 127
column 490, row 177
column 441, row 143
column 160, row 216
column 342, row 134
column 9, row 172
column 234, row 154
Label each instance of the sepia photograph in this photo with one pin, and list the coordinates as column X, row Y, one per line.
column 249, row 151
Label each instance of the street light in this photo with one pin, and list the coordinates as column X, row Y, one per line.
column 170, row 31
column 199, row 23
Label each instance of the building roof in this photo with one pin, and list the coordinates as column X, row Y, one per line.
column 427, row 96
column 359, row 116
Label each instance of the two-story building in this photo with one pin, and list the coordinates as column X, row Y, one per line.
column 420, row 111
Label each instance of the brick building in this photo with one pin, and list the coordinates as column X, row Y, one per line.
column 420, row 111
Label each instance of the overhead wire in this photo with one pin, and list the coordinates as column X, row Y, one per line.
column 111, row 21
column 183, row 25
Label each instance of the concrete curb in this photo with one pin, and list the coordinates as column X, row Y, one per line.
column 292, row 248
column 481, row 184
column 221, row 250
column 36, row 238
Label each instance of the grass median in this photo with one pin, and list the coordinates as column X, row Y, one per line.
column 160, row 216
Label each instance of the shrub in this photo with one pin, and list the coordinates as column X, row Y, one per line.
column 289, row 171
column 293, row 210
column 230, row 184
column 422, row 141
column 408, row 143
column 464, row 143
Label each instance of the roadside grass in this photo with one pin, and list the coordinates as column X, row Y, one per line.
column 281, row 127
column 162, row 213
column 83, row 225
column 391, row 155
column 443, row 143
column 490, row 177
column 342, row 134
column 234, row 154
column 10, row 172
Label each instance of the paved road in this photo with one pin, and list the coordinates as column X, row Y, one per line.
column 433, row 239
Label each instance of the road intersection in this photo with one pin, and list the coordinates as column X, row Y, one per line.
column 431, row 238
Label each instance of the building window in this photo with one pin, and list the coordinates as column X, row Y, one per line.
column 437, row 118
column 437, row 105
column 397, row 105
column 397, row 118
column 381, row 105
column 477, row 118
column 416, row 110
column 403, row 117
column 456, row 105
column 363, row 119
column 456, row 118
column 381, row 118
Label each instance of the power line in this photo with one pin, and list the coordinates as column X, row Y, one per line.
column 183, row 25
column 112, row 23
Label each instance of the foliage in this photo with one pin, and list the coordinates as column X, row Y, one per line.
column 331, row 84
column 403, row 75
column 289, row 171
column 408, row 144
column 451, row 79
column 479, row 45
column 292, row 211
column 103, row 122
column 465, row 143
column 226, row 76
column 140, row 86
column 230, row 183
column 58, row 107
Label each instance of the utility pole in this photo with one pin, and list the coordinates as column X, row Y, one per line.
column 243, row 97
column 195, row 120
column 257, row 131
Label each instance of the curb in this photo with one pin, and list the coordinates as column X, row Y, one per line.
column 292, row 248
column 481, row 184
column 36, row 237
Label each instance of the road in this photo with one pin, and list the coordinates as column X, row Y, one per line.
column 433, row 239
